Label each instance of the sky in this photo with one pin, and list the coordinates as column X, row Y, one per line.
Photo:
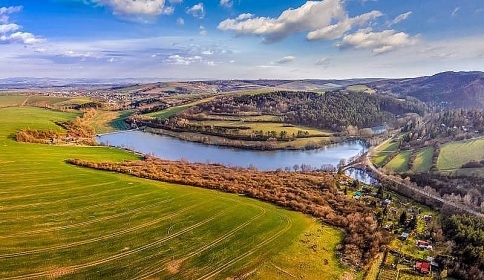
column 239, row 39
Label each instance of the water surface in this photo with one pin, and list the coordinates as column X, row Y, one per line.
column 171, row 148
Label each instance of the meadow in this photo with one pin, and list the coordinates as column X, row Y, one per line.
column 62, row 221
column 400, row 162
column 454, row 154
column 423, row 160
column 383, row 152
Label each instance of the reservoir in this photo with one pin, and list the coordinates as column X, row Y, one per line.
column 170, row 148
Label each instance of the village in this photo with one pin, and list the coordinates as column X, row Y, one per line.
column 418, row 239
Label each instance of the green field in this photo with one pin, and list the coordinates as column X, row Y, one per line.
column 8, row 100
column 265, row 127
column 454, row 154
column 384, row 151
column 165, row 114
column 63, row 221
column 400, row 162
column 109, row 121
column 423, row 160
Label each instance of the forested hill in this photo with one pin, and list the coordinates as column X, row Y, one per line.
column 447, row 89
column 331, row 110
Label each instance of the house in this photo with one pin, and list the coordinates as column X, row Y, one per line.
column 424, row 245
column 386, row 202
column 422, row 267
column 434, row 265
column 404, row 236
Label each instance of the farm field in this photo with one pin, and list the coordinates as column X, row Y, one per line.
column 423, row 160
column 384, row 151
column 109, row 121
column 454, row 154
column 165, row 114
column 8, row 100
column 59, row 220
column 265, row 127
column 400, row 162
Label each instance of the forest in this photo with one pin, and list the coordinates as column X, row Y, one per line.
column 467, row 236
column 334, row 110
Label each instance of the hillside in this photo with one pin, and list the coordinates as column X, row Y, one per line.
column 447, row 89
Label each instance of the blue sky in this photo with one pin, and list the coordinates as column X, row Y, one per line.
column 239, row 39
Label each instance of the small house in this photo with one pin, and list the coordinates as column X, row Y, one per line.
column 404, row 236
column 422, row 267
column 424, row 245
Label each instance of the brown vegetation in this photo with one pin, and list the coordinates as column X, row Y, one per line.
column 313, row 193
column 77, row 131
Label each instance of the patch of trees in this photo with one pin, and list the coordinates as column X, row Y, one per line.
column 473, row 164
column 313, row 193
column 76, row 131
column 444, row 126
column 332, row 110
column 467, row 236
column 467, row 190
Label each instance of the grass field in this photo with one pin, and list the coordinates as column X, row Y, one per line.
column 165, row 114
column 384, row 151
column 62, row 221
column 109, row 121
column 454, row 154
column 265, row 127
column 400, row 162
column 423, row 160
column 311, row 256
column 8, row 100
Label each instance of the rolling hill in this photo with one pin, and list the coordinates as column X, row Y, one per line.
column 447, row 89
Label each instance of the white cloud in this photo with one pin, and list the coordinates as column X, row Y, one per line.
column 285, row 59
column 379, row 42
column 311, row 16
column 455, row 11
column 203, row 31
column 399, row 18
column 21, row 37
column 336, row 31
column 180, row 21
column 322, row 61
column 197, row 10
column 134, row 7
column 168, row 10
column 226, row 3
column 183, row 60
column 10, row 27
column 9, row 31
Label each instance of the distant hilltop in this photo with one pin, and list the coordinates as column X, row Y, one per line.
column 446, row 89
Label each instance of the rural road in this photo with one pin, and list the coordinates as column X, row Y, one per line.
column 365, row 160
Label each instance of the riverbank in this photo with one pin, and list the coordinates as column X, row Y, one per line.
column 307, row 143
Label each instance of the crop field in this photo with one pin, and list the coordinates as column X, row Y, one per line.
column 62, row 221
column 266, row 127
column 454, row 154
column 423, row 160
column 400, row 162
column 165, row 114
column 8, row 100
